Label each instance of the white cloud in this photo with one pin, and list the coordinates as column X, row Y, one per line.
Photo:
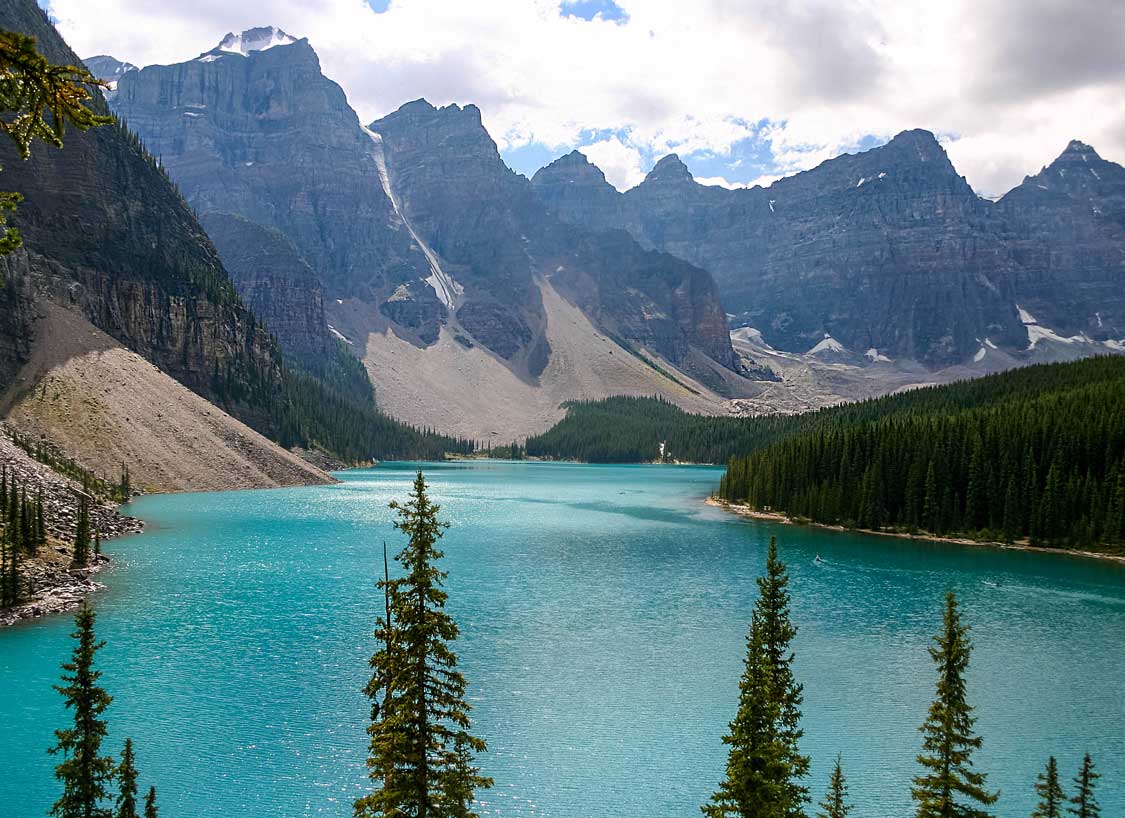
column 621, row 163
column 719, row 181
column 695, row 78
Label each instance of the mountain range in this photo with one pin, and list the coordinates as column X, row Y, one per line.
column 887, row 252
column 428, row 254
column 480, row 301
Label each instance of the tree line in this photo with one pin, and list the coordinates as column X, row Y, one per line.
column 632, row 429
column 422, row 752
column 23, row 532
column 1047, row 466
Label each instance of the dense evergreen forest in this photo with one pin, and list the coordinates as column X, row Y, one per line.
column 1035, row 453
column 313, row 414
column 630, row 430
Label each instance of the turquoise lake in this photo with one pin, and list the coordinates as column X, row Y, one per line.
column 603, row 611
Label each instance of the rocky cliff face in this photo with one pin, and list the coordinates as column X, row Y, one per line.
column 277, row 285
column 415, row 220
column 253, row 128
column 494, row 238
column 106, row 233
column 109, row 69
column 1065, row 228
column 887, row 250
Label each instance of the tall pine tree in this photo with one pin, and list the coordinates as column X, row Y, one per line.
column 835, row 803
column 84, row 773
column 421, row 750
column 82, row 534
column 150, row 804
column 949, row 787
column 1085, row 803
column 764, row 737
column 1051, row 796
column 127, row 784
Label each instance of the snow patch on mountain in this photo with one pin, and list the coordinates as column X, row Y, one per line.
column 829, row 344
column 254, row 39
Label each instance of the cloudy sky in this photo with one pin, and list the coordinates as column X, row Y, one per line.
column 744, row 90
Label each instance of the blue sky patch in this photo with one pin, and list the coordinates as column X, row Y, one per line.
column 589, row 9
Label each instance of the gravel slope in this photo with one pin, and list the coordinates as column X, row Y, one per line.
column 105, row 405
column 469, row 392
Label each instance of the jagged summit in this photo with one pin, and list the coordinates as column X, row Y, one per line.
column 670, row 169
column 1078, row 147
column 570, row 168
column 107, row 68
column 261, row 38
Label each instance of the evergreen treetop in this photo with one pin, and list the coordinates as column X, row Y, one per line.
column 949, row 787
column 764, row 763
column 127, row 784
column 835, row 803
column 1051, row 796
column 1084, row 801
column 421, row 750
column 84, row 772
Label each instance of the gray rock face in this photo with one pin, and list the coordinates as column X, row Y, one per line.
column 108, row 68
column 888, row 249
column 277, row 285
column 253, row 128
column 1065, row 228
column 494, row 237
column 106, row 233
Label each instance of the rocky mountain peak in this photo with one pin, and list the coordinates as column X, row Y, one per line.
column 573, row 168
column 107, row 68
column 669, row 169
column 1078, row 171
column 261, row 38
column 1078, row 148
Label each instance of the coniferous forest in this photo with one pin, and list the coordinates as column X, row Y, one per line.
column 1037, row 453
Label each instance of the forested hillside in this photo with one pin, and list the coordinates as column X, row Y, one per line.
column 1036, row 453
column 630, row 430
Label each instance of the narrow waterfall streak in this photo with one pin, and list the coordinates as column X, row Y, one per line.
column 443, row 284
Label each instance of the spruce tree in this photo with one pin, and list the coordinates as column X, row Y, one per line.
column 82, row 534
column 1085, row 803
column 150, row 804
column 777, row 633
column 83, row 772
column 421, row 751
column 40, row 523
column 127, row 784
column 764, row 764
column 9, row 570
column 835, row 803
column 756, row 761
column 949, row 787
column 1051, row 796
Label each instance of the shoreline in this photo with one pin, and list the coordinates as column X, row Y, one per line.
column 777, row 517
column 68, row 588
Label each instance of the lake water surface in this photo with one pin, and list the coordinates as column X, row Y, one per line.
column 603, row 612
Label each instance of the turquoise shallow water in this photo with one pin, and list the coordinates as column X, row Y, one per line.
column 603, row 611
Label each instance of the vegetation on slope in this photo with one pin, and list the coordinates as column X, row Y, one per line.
column 630, row 430
column 312, row 414
column 1036, row 453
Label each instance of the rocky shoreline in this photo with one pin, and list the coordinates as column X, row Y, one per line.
column 51, row 584
column 777, row 517
column 59, row 590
